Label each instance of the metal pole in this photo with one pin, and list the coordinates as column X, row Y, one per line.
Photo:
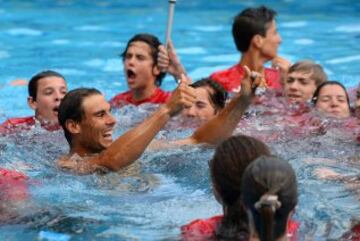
column 170, row 21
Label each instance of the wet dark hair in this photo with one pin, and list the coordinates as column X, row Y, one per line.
column 307, row 66
column 153, row 42
column 71, row 108
column 250, row 22
column 33, row 83
column 270, row 194
column 226, row 168
column 315, row 97
column 217, row 96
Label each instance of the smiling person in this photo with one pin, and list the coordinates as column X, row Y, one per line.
column 302, row 80
column 210, row 100
column 332, row 100
column 46, row 90
column 142, row 73
column 88, row 126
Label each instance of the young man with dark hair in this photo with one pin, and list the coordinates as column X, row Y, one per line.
column 46, row 90
column 141, row 72
column 256, row 38
column 88, row 124
column 210, row 100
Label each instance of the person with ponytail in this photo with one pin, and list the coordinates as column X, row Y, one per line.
column 226, row 168
column 269, row 191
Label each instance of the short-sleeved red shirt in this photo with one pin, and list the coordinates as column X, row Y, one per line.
column 159, row 97
column 204, row 229
column 231, row 78
column 24, row 123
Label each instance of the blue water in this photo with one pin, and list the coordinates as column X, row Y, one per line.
column 82, row 40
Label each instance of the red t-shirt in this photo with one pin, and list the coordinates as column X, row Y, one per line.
column 13, row 185
column 159, row 97
column 204, row 229
column 24, row 123
column 231, row 78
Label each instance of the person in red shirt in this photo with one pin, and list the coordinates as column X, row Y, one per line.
column 142, row 73
column 256, row 37
column 46, row 90
column 230, row 160
column 270, row 196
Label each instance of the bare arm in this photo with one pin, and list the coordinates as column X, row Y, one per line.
column 222, row 125
column 130, row 146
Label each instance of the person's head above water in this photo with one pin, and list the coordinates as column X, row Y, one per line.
column 255, row 28
column 85, row 116
column 227, row 167
column 46, row 90
column 140, row 61
column 210, row 99
column 331, row 99
column 269, row 192
column 302, row 79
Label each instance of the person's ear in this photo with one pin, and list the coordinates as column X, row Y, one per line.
column 257, row 41
column 72, row 126
column 156, row 71
column 32, row 103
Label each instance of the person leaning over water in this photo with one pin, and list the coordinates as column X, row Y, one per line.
column 88, row 125
column 226, row 169
column 141, row 72
column 46, row 90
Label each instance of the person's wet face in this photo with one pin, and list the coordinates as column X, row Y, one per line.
column 202, row 109
column 97, row 124
column 50, row 92
column 332, row 101
column 139, row 67
column 271, row 41
column 299, row 87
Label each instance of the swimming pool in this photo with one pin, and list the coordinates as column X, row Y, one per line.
column 82, row 40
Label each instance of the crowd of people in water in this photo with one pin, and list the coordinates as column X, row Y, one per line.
column 257, row 190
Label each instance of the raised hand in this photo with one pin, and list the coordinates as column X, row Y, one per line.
column 169, row 62
column 183, row 96
column 281, row 64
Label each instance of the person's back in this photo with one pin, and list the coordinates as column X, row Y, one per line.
column 256, row 38
column 270, row 196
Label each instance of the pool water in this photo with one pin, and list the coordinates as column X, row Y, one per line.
column 164, row 190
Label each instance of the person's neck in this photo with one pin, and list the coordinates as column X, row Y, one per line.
column 254, row 61
column 82, row 151
column 144, row 93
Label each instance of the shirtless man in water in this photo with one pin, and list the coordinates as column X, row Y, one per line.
column 88, row 124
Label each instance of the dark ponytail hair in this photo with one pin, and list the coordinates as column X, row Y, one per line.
column 227, row 167
column 270, row 194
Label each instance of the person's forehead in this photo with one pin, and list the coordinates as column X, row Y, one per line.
column 300, row 74
column 139, row 46
column 51, row 81
column 94, row 103
column 332, row 89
